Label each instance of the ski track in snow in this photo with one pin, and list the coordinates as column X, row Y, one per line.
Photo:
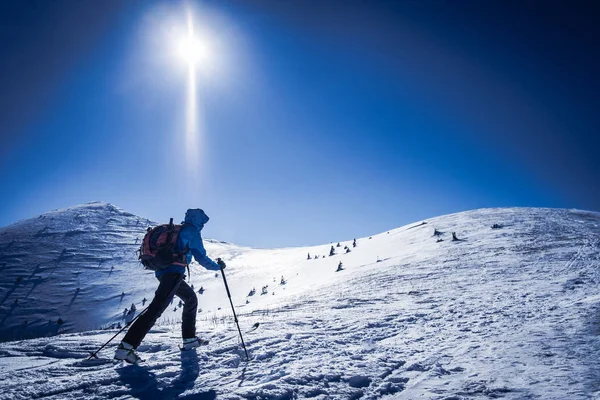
column 504, row 313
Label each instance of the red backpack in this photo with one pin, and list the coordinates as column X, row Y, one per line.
column 157, row 251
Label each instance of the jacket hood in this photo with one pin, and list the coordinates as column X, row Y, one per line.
column 196, row 217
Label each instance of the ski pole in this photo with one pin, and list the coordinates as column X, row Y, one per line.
column 234, row 316
column 93, row 354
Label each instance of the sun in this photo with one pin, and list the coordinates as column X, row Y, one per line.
column 193, row 51
column 193, row 47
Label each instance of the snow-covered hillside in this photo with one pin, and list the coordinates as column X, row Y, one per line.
column 510, row 311
column 78, row 264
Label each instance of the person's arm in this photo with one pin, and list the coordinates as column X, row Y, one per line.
column 199, row 253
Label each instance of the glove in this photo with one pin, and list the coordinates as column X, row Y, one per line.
column 221, row 263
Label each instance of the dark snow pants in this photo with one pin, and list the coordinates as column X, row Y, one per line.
column 171, row 284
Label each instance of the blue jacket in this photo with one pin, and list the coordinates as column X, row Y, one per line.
column 190, row 238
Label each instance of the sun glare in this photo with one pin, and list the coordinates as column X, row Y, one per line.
column 193, row 51
column 186, row 47
column 192, row 48
column 192, row 42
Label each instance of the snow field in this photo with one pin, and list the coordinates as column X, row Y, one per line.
column 503, row 313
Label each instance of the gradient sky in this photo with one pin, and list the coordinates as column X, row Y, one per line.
column 321, row 120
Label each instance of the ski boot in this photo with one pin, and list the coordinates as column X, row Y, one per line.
column 192, row 343
column 126, row 352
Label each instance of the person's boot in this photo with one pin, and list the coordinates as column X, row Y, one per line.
column 126, row 352
column 192, row 343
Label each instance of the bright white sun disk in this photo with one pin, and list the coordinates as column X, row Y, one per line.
column 192, row 50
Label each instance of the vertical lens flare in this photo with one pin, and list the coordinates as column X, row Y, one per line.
column 193, row 131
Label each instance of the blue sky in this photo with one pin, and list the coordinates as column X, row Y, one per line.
column 320, row 120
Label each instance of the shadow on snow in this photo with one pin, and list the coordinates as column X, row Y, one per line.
column 144, row 385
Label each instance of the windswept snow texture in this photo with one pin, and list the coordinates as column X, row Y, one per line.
column 78, row 264
column 505, row 312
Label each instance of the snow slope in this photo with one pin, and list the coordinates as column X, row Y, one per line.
column 78, row 264
column 509, row 312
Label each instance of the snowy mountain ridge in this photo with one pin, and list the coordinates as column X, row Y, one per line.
column 73, row 264
column 510, row 309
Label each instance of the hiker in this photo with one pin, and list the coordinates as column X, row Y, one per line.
column 282, row 282
column 144, row 302
column 338, row 245
column 308, row 258
column 201, row 290
column 340, row 267
column 331, row 251
column 348, row 250
column 187, row 245
column 354, row 243
column 454, row 238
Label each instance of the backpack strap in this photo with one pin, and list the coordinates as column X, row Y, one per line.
column 183, row 251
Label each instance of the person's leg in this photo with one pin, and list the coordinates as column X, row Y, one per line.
column 167, row 288
column 190, row 307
